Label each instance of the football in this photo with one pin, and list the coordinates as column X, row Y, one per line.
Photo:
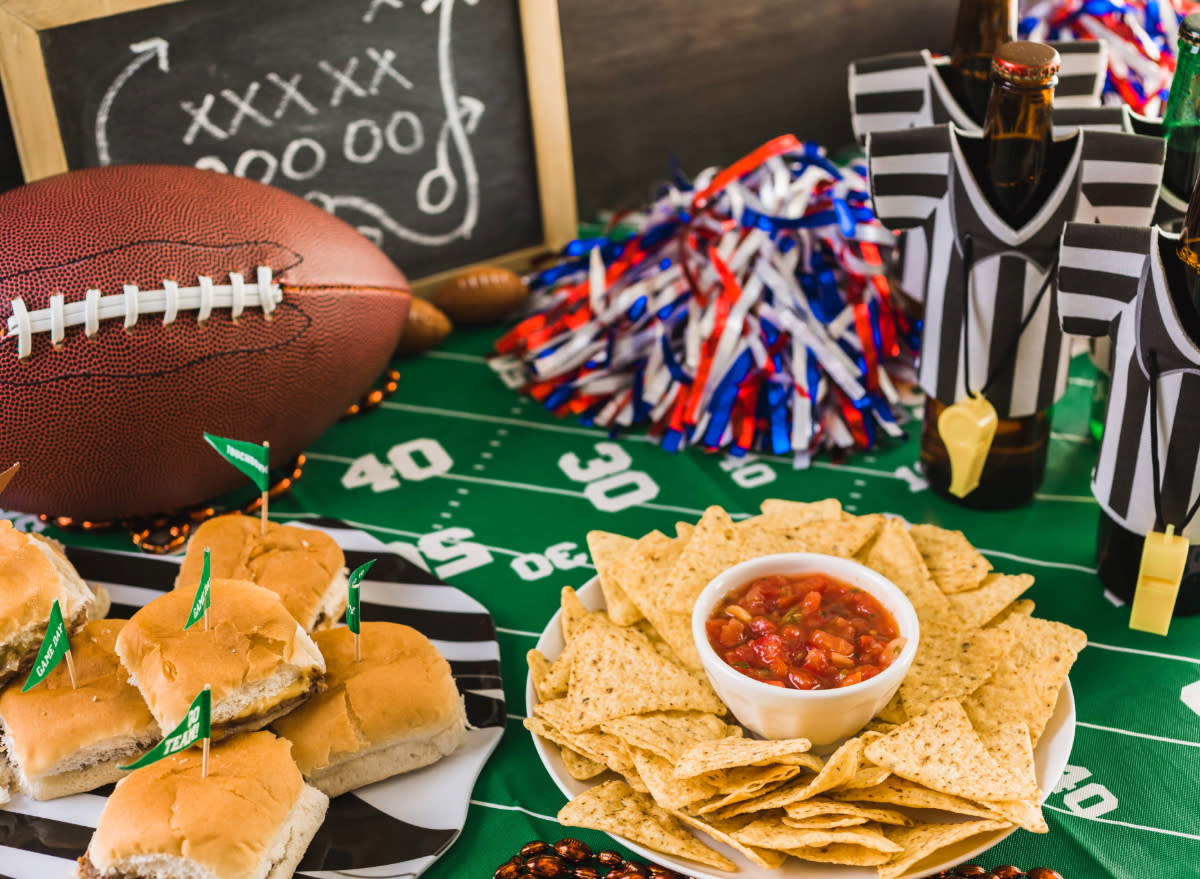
column 142, row 305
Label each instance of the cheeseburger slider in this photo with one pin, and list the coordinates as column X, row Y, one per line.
column 60, row 740
column 394, row 710
column 252, row 817
column 306, row 567
column 32, row 574
column 259, row 662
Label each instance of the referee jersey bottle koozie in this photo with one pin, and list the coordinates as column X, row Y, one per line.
column 990, row 313
column 1127, row 283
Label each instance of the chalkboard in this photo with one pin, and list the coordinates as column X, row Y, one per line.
column 425, row 123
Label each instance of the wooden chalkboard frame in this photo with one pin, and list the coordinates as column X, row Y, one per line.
column 40, row 146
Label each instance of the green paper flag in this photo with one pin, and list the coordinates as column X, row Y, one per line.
column 54, row 647
column 203, row 596
column 195, row 726
column 250, row 458
column 354, row 608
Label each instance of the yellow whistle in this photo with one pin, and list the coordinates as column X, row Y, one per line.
column 967, row 429
column 1164, row 557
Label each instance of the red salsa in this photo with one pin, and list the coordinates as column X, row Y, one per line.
column 806, row 631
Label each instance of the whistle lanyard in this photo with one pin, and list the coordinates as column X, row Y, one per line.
column 968, row 252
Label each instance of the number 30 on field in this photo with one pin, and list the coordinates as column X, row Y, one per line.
column 610, row 485
column 415, row 460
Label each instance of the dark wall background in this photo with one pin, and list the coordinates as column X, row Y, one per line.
column 709, row 80
column 703, row 80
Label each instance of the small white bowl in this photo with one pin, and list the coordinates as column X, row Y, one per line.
column 822, row 716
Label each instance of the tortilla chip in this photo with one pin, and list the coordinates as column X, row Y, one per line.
column 839, row 768
column 997, row 592
column 580, row 767
column 668, row 790
column 605, row 549
column 894, row 555
column 684, row 532
column 614, row 807
column 556, row 712
column 668, row 733
column 951, row 665
column 713, row 547
column 826, row 807
column 573, row 613
column 797, row 513
column 595, row 746
column 823, row 822
column 941, row 750
column 900, row 792
column 954, row 564
column 745, row 784
column 642, row 573
column 546, row 684
column 842, row 537
column 609, row 664
column 1026, row 685
column 846, row 855
column 867, row 776
column 722, row 831
column 924, row 839
column 772, row 833
column 893, row 712
column 1013, row 749
column 708, row 756
column 1020, row 607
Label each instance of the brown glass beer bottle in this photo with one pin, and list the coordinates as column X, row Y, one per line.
column 982, row 27
column 1016, row 169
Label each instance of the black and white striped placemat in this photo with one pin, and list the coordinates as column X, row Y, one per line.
column 395, row 828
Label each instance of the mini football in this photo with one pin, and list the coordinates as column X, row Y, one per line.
column 142, row 305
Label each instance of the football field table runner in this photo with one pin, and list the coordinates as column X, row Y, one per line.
column 487, row 490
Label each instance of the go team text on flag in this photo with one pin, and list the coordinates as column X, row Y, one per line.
column 196, row 726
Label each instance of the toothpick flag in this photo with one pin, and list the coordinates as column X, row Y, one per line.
column 55, row 645
column 354, row 606
column 251, row 459
column 195, row 726
column 203, row 598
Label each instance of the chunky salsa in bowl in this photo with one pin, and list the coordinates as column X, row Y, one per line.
column 808, row 631
column 804, row 645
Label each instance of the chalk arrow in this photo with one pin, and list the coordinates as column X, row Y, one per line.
column 470, row 110
column 155, row 47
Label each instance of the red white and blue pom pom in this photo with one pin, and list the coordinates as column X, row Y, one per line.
column 749, row 311
column 1141, row 36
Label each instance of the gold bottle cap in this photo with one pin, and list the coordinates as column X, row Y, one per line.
column 1026, row 63
column 1189, row 29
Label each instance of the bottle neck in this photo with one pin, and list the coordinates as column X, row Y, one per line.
column 1018, row 136
column 982, row 26
column 1181, row 124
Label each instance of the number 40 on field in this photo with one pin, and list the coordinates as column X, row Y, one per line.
column 415, row 460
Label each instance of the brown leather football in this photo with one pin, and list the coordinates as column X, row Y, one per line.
column 142, row 305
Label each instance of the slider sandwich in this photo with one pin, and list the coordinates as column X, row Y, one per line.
column 252, row 817
column 305, row 567
column 32, row 575
column 394, row 710
column 60, row 740
column 257, row 659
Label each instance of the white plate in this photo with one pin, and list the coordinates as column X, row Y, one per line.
column 1051, row 753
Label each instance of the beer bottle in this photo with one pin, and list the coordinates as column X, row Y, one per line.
column 1014, row 167
column 1181, row 120
column 1119, row 550
column 982, row 27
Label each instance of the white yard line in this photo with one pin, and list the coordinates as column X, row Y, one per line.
column 1192, row 659
column 1122, row 823
column 521, row 632
column 1072, row 438
column 1069, row 498
column 512, row 422
column 506, row 808
column 1045, row 564
column 450, row 355
column 1081, row 382
column 1129, row 732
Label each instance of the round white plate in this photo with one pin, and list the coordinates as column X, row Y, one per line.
column 1050, row 755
